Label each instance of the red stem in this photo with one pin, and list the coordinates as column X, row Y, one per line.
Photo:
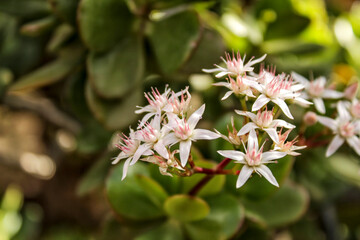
column 210, row 174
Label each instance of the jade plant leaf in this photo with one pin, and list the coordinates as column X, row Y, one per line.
column 129, row 199
column 345, row 167
column 99, row 23
column 25, row 8
column 52, row 72
column 111, row 113
column 202, row 230
column 170, row 230
column 186, row 208
column 38, row 27
column 284, row 207
column 184, row 31
column 115, row 73
column 65, row 9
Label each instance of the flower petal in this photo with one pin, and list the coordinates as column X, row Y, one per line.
column 199, row 134
column 125, row 168
column 232, row 154
column 252, row 141
column 328, row 93
column 283, row 106
column 196, row 116
column 272, row 155
column 247, row 128
column 251, row 115
column 244, row 175
column 170, row 139
column 334, row 145
column 297, row 77
column 185, row 147
column 161, row 149
column 260, row 102
column 272, row 134
column 319, row 105
column 328, row 122
column 141, row 149
column 227, row 94
column 282, row 123
column 121, row 155
column 354, row 142
column 266, row 172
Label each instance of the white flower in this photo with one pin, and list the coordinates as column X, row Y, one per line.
column 235, row 65
column 128, row 147
column 184, row 132
column 232, row 137
column 179, row 106
column 254, row 160
column 263, row 120
column 287, row 147
column 239, row 87
column 316, row 91
column 163, row 163
column 152, row 137
column 344, row 129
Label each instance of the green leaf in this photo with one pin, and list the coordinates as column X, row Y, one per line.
column 154, row 190
column 170, row 184
column 52, row 72
column 65, row 9
column 203, row 230
column 251, row 191
column 59, row 37
column 227, row 211
column 103, row 23
column 128, row 198
column 111, row 113
column 346, row 167
column 92, row 138
column 25, row 8
column 95, row 176
column 184, row 31
column 117, row 72
column 284, row 207
column 171, row 230
column 38, row 27
column 186, row 208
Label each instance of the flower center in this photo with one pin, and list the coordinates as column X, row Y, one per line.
column 253, row 158
column 182, row 130
column 316, row 88
column 347, row 130
column 149, row 134
column 264, row 119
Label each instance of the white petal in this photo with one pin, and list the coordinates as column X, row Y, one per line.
column 141, row 149
column 251, row 63
column 147, row 108
column 146, row 118
column 161, row 149
column 199, row 134
column 302, row 102
column 260, row 102
column 252, row 141
column 354, row 142
column 185, row 147
column 282, row 123
column 196, row 116
column 297, row 77
column 246, row 128
column 121, row 155
column 227, row 94
column 251, row 115
column 221, row 74
column 244, row 175
column 334, row 145
column 170, row 139
column 272, row 155
column 125, row 168
column 266, row 172
column 211, row 70
column 328, row 93
column 343, row 113
column 232, row 154
column 284, row 107
column 328, row 122
column 222, row 84
column 272, row 134
column 319, row 105
column 156, row 122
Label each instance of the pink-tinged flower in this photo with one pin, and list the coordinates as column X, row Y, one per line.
column 240, row 86
column 152, row 137
column 254, row 160
column 276, row 90
column 310, row 118
column 264, row 121
column 232, row 137
column 184, row 132
column 287, row 147
column 344, row 129
column 128, row 147
column 157, row 103
column 179, row 106
column 235, row 66
column 316, row 91
column 163, row 163
column 350, row 91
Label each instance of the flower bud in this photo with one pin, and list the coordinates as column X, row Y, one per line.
column 310, row 118
column 350, row 91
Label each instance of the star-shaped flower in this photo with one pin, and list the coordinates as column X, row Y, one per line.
column 288, row 146
column 240, row 86
column 254, row 160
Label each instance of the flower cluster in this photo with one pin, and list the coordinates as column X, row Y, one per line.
column 263, row 90
column 164, row 125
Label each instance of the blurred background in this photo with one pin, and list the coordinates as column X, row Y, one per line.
column 72, row 72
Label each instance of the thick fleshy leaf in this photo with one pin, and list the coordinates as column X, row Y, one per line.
column 251, row 188
column 154, row 190
column 226, row 210
column 129, row 199
column 38, row 27
column 111, row 113
column 65, row 9
column 52, row 72
column 346, row 167
column 186, row 208
column 25, row 8
column 170, row 230
column 203, row 230
column 103, row 23
column 170, row 184
column 117, row 72
column 284, row 207
column 184, row 35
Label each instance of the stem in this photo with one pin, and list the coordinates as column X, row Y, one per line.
column 243, row 104
column 211, row 173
